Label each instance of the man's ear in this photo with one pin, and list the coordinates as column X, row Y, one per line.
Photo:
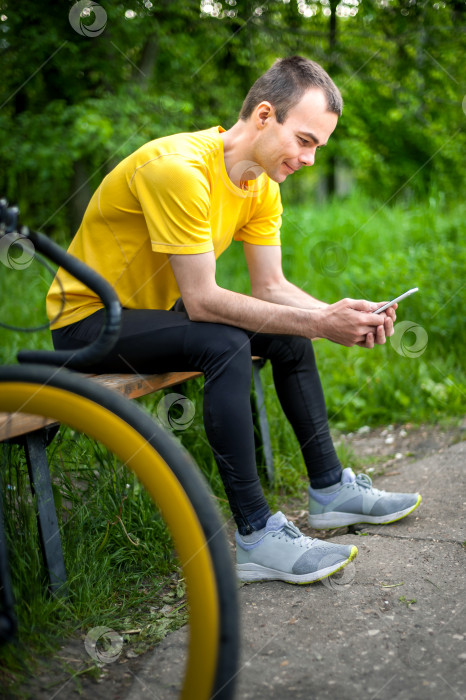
column 263, row 112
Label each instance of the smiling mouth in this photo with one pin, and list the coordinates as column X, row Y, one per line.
column 289, row 167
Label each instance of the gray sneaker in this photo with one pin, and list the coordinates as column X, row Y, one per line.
column 356, row 501
column 280, row 552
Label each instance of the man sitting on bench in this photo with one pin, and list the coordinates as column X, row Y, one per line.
column 154, row 229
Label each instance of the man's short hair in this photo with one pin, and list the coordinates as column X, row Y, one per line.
column 284, row 84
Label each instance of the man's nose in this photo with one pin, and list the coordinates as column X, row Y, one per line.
column 307, row 158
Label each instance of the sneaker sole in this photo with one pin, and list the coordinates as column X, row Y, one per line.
column 327, row 521
column 255, row 572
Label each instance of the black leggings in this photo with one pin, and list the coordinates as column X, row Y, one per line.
column 153, row 341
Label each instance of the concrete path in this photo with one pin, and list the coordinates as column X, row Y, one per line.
column 393, row 628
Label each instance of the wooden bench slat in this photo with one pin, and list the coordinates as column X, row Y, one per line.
column 130, row 385
column 15, row 424
column 134, row 385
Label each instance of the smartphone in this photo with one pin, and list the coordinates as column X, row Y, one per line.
column 394, row 301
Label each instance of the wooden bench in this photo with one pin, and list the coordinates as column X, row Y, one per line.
column 34, row 433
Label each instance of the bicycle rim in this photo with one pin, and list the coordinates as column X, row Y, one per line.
column 176, row 487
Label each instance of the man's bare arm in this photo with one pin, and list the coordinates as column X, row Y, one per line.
column 347, row 322
column 268, row 281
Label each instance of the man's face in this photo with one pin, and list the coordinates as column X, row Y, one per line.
column 281, row 149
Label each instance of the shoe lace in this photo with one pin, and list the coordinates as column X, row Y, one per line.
column 290, row 530
column 366, row 482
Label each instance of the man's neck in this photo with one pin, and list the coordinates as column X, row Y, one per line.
column 238, row 154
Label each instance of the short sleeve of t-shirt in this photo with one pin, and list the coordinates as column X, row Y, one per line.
column 263, row 228
column 174, row 195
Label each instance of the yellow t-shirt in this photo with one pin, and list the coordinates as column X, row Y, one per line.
column 171, row 196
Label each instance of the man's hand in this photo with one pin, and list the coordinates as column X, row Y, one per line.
column 382, row 332
column 351, row 322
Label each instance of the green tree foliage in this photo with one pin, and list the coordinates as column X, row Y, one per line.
column 73, row 105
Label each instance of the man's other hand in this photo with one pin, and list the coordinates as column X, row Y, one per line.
column 351, row 322
column 382, row 332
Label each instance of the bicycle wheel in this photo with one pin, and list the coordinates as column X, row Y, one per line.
column 178, row 490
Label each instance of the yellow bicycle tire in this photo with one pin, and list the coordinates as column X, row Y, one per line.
column 175, row 485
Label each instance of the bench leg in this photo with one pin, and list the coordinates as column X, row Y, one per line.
column 8, row 622
column 49, row 534
column 260, row 419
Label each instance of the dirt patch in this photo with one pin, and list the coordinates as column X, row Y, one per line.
column 72, row 673
column 386, row 446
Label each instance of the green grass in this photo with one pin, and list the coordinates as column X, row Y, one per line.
column 121, row 567
column 122, row 570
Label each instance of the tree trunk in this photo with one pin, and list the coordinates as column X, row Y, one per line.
column 81, row 193
column 143, row 73
column 332, row 164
